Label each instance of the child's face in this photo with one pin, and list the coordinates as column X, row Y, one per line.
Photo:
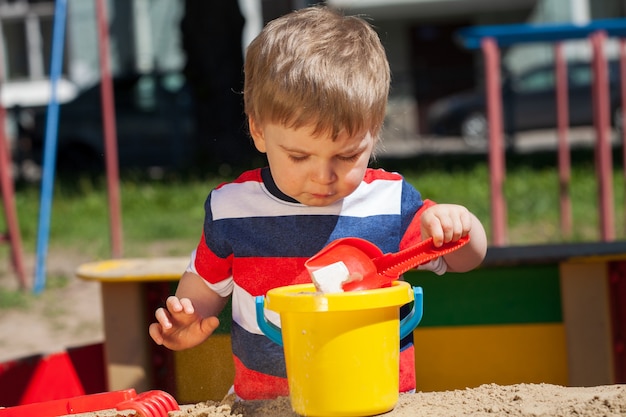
column 313, row 169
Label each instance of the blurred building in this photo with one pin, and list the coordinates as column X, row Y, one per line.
column 426, row 60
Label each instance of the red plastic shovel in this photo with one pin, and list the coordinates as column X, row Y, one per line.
column 368, row 267
column 153, row 403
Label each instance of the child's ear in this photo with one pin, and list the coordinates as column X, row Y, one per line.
column 258, row 136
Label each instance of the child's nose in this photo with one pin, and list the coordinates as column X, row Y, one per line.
column 324, row 173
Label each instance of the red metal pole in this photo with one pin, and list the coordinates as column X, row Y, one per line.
column 110, row 138
column 8, row 199
column 562, row 112
column 622, row 77
column 496, row 140
column 602, row 124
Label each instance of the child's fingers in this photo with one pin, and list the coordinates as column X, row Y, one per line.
column 446, row 223
column 209, row 324
column 173, row 304
column 179, row 305
column 466, row 222
column 178, row 326
column 163, row 318
column 457, row 229
column 448, row 226
column 155, row 333
column 431, row 227
column 187, row 305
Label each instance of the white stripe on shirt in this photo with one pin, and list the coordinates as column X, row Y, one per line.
column 246, row 202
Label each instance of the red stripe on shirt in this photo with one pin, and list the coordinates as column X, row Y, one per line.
column 210, row 266
column 259, row 275
column 372, row 175
column 251, row 385
column 407, row 369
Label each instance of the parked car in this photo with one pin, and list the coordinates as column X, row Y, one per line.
column 154, row 125
column 529, row 102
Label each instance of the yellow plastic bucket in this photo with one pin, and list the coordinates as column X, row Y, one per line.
column 341, row 350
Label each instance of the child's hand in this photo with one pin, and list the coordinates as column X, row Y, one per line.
column 179, row 326
column 445, row 223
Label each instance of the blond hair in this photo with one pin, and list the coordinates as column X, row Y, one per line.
column 317, row 67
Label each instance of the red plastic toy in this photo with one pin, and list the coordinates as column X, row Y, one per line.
column 148, row 404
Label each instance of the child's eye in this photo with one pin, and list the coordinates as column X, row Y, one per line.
column 350, row 158
column 297, row 158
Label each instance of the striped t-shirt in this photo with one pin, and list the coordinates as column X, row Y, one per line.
column 256, row 238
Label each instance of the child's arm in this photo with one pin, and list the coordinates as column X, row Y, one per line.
column 189, row 317
column 448, row 223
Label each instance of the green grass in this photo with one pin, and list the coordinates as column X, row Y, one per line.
column 151, row 211
column 532, row 200
column 171, row 209
column 531, row 191
column 10, row 299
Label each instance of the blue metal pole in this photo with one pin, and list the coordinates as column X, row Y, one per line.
column 50, row 146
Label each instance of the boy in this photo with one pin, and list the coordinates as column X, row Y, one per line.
column 316, row 86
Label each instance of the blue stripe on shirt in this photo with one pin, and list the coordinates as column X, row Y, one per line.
column 291, row 236
column 257, row 352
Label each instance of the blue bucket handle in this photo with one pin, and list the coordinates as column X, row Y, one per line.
column 410, row 322
column 271, row 330
column 407, row 324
